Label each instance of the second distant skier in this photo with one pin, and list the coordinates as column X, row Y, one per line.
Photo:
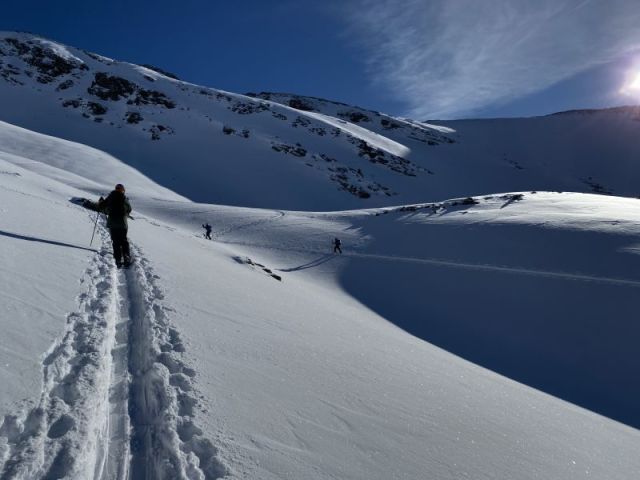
column 336, row 245
column 207, row 233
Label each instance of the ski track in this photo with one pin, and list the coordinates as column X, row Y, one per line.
column 504, row 269
column 117, row 400
column 165, row 442
column 448, row 263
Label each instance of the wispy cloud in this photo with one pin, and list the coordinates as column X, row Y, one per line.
column 446, row 58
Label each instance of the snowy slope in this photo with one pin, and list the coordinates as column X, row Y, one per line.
column 300, row 153
column 203, row 143
column 582, row 150
column 215, row 368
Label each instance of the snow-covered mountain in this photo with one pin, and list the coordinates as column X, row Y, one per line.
column 293, row 152
column 201, row 142
column 483, row 336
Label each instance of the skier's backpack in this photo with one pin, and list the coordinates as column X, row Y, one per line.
column 116, row 204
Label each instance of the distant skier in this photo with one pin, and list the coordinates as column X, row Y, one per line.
column 117, row 208
column 207, row 233
column 336, row 245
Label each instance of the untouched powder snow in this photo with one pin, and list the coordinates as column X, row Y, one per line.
column 389, row 361
column 41, row 152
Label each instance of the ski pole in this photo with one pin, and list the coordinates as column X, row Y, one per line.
column 94, row 228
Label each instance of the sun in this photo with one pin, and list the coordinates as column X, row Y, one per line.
column 632, row 85
column 635, row 82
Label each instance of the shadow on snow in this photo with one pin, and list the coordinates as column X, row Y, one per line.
column 43, row 240
column 569, row 337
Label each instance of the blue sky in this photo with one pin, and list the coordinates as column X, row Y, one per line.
column 426, row 59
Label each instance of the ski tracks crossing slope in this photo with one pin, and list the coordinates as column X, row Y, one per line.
column 438, row 262
column 117, row 399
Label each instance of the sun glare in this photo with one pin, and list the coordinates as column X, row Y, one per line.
column 632, row 85
column 635, row 82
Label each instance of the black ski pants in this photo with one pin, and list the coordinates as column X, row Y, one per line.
column 120, row 243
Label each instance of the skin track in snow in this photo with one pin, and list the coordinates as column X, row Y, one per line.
column 117, row 402
column 62, row 436
column 164, row 441
column 115, row 460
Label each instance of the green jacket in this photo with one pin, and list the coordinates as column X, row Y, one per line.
column 117, row 208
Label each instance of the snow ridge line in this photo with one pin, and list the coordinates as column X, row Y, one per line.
column 61, row 435
column 165, row 442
